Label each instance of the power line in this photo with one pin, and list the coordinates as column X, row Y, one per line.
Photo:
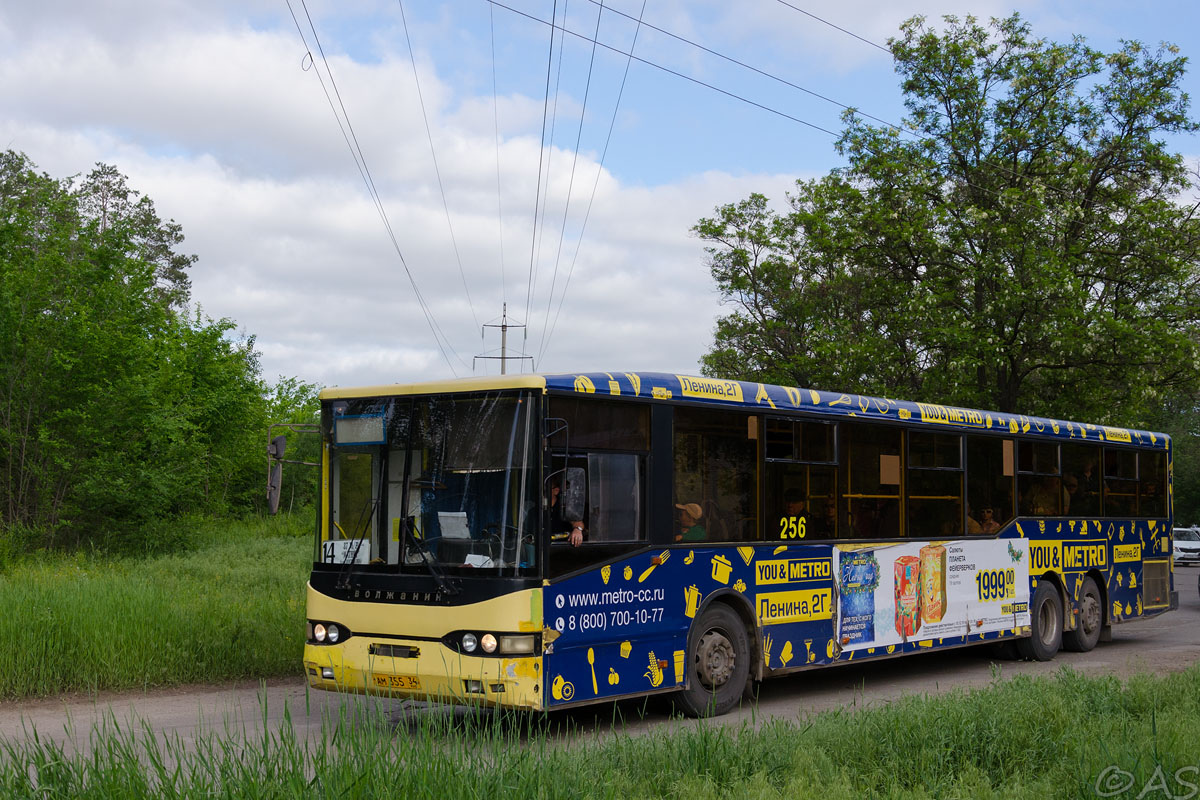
column 541, row 223
column 830, row 24
column 433, row 152
column 595, row 183
column 571, row 183
column 745, row 100
column 496, row 127
column 911, row 132
column 669, row 71
column 744, row 65
column 365, row 172
column 541, row 153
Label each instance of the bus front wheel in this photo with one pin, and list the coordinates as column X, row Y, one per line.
column 1046, row 624
column 719, row 658
column 1091, row 620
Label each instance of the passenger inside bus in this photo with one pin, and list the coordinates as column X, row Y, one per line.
column 793, row 499
column 826, row 526
column 690, row 529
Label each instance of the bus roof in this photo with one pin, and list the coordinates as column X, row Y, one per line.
column 767, row 397
column 478, row 384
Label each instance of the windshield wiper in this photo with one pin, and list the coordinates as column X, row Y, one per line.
column 443, row 582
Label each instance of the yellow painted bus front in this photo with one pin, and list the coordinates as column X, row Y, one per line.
column 398, row 650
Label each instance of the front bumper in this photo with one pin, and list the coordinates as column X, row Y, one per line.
column 436, row 673
column 405, row 655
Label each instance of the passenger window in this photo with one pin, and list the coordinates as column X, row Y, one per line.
column 716, row 476
column 1152, row 501
column 1120, row 482
column 801, row 479
column 935, row 485
column 1039, row 481
column 872, row 469
column 990, row 475
column 614, row 497
column 1081, row 479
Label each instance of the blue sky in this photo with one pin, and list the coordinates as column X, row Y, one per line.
column 215, row 111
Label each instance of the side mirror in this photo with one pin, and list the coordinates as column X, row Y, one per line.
column 275, row 450
column 274, row 485
column 574, row 493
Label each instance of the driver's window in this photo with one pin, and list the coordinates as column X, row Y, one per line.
column 595, row 479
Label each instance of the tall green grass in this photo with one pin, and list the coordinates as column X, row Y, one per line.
column 229, row 606
column 1065, row 736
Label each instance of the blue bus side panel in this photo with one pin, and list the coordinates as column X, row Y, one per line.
column 623, row 628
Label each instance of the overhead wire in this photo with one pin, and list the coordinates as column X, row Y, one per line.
column 571, row 182
column 541, row 223
column 836, row 27
column 744, row 65
column 496, row 127
column 364, row 171
column 669, row 71
column 595, row 183
column 740, row 98
column 436, row 170
column 904, row 129
column 541, row 153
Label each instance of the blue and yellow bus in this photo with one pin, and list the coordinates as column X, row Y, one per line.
column 545, row 541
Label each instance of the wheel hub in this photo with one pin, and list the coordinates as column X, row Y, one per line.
column 1089, row 618
column 715, row 659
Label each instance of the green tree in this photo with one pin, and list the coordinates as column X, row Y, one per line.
column 1021, row 245
column 118, row 406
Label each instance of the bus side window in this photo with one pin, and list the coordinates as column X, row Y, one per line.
column 935, row 485
column 990, row 473
column 1081, row 478
column 605, row 445
column 614, row 494
column 716, row 470
column 1152, row 471
column 1120, row 482
column 1039, row 480
column 801, row 479
column 872, row 470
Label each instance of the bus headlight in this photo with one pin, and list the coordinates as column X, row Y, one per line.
column 319, row 632
column 516, row 644
column 488, row 643
column 333, row 633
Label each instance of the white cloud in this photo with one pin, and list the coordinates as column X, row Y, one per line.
column 211, row 114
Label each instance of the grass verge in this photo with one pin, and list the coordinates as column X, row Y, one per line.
column 231, row 606
column 1065, row 736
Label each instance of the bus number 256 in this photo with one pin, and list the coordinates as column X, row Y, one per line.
column 791, row 527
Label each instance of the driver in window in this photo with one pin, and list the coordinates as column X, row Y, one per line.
column 562, row 529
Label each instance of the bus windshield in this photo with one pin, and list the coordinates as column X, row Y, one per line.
column 434, row 484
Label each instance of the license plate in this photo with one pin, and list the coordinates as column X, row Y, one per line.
column 396, row 681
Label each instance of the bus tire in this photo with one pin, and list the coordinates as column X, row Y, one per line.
column 1045, row 622
column 719, row 658
column 1091, row 620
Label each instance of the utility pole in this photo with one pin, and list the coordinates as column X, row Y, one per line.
column 504, row 357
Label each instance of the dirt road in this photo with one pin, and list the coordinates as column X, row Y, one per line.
column 1167, row 643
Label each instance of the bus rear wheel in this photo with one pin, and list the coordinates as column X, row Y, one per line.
column 1046, row 624
column 1091, row 620
column 719, row 657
